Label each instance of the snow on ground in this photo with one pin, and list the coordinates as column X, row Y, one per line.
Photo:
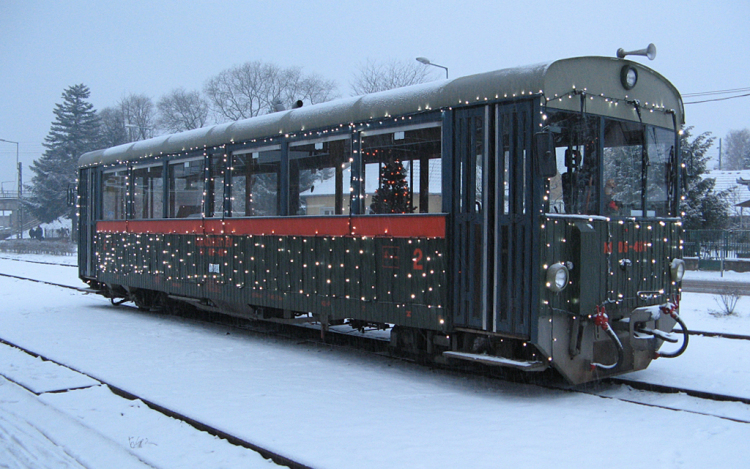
column 726, row 276
column 326, row 407
column 36, row 435
column 46, row 258
column 60, row 274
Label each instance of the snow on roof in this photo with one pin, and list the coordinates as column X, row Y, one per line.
column 727, row 180
column 553, row 81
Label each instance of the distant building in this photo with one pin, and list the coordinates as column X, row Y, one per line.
column 737, row 185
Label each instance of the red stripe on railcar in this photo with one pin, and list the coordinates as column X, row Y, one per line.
column 399, row 226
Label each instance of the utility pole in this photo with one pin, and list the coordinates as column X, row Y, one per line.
column 19, row 217
column 20, row 200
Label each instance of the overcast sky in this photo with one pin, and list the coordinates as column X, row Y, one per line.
column 153, row 47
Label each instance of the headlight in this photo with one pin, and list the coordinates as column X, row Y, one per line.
column 557, row 277
column 677, row 269
column 628, row 77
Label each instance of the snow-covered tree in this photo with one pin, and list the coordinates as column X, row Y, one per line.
column 74, row 131
column 702, row 207
column 737, row 149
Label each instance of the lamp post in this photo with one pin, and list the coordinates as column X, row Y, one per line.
column 2, row 186
column 20, row 190
column 426, row 61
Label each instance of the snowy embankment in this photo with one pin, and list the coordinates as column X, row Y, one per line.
column 331, row 408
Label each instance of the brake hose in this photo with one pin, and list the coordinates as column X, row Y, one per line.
column 671, row 310
column 602, row 320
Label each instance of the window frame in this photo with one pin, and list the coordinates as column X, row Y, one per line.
column 344, row 196
column 393, row 128
column 230, row 176
column 172, row 192
column 133, row 192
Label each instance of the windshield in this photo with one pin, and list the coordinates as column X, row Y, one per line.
column 611, row 168
column 660, row 171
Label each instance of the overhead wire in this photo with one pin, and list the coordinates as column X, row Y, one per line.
column 744, row 93
column 705, row 93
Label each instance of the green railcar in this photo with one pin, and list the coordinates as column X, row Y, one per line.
column 523, row 218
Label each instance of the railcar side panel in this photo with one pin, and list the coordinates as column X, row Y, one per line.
column 382, row 279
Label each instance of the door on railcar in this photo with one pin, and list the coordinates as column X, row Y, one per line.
column 470, row 231
column 492, row 222
column 88, row 202
column 511, row 240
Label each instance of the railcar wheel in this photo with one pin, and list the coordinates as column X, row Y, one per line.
column 146, row 300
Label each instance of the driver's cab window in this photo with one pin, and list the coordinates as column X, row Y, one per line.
column 575, row 187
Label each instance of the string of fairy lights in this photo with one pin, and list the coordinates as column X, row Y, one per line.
column 285, row 269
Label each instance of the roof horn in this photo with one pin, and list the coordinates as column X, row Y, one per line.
column 649, row 52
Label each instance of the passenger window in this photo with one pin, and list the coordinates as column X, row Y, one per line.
column 320, row 177
column 114, row 194
column 255, row 183
column 403, row 171
column 186, row 186
column 148, row 191
column 215, row 196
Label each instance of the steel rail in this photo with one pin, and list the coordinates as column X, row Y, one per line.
column 245, row 326
column 80, row 289
column 666, row 389
column 278, row 458
column 36, row 262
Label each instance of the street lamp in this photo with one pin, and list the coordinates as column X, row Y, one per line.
column 20, row 190
column 16, row 143
column 426, row 61
column 2, row 186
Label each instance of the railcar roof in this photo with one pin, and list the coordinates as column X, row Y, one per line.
column 553, row 81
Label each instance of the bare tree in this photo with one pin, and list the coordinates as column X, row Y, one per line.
column 113, row 131
column 138, row 114
column 737, row 153
column 317, row 89
column 291, row 85
column 253, row 88
column 182, row 110
column 374, row 76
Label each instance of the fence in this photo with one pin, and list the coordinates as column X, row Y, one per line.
column 717, row 244
column 718, row 249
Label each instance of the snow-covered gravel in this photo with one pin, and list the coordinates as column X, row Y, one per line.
column 326, row 407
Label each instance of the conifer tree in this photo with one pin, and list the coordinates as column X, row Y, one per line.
column 74, row 131
column 702, row 208
column 393, row 196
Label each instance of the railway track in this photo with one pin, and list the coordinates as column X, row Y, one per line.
column 36, row 262
column 18, row 277
column 276, row 457
column 662, row 389
column 379, row 347
column 715, row 286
